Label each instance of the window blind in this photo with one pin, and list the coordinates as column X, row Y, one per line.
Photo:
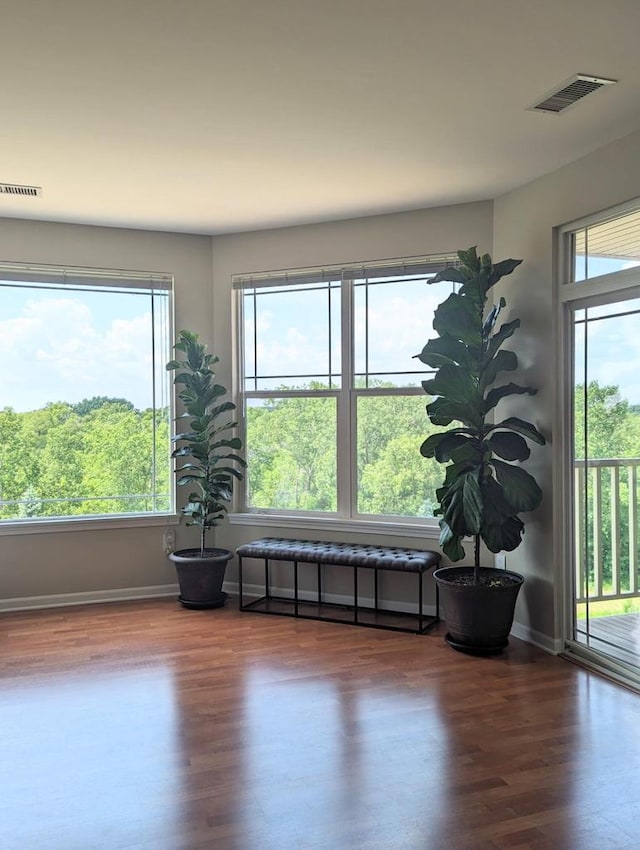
column 77, row 276
column 411, row 267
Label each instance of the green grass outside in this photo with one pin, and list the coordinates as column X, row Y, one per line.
column 609, row 608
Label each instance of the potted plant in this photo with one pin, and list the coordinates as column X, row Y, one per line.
column 484, row 491
column 207, row 460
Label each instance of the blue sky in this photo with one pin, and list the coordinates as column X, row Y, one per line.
column 68, row 345
column 613, row 340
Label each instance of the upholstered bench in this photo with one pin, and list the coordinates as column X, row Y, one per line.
column 314, row 606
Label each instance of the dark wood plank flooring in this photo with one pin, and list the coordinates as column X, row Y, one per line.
column 143, row 726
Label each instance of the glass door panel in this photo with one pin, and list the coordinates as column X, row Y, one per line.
column 606, row 468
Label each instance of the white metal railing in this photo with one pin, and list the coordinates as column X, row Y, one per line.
column 606, row 528
column 152, row 500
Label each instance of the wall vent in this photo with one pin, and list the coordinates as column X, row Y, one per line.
column 23, row 191
column 569, row 93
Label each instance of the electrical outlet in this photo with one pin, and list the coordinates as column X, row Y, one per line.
column 169, row 542
column 501, row 561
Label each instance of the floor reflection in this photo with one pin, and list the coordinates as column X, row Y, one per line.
column 330, row 758
column 90, row 761
column 146, row 727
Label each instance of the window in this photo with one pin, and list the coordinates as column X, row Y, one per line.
column 84, row 394
column 334, row 408
column 603, row 247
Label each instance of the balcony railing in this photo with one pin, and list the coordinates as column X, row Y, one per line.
column 606, row 528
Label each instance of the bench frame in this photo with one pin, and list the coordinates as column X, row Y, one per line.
column 295, row 606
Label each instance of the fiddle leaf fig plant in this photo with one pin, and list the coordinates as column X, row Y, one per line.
column 211, row 462
column 484, row 492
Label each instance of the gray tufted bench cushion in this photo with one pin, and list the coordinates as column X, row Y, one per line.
column 341, row 554
column 321, row 606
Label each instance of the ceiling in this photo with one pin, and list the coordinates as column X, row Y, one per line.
column 215, row 116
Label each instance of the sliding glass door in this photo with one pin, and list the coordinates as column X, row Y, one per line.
column 605, row 470
column 599, row 295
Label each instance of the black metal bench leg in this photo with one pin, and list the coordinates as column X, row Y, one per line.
column 355, row 595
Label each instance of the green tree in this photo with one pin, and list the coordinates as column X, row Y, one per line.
column 612, row 430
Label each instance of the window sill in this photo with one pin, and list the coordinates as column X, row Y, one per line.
column 359, row 526
column 57, row 526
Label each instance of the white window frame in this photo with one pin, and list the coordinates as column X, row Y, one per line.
column 346, row 517
column 77, row 276
column 574, row 295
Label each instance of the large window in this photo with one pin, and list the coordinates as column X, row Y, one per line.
column 335, row 411
column 84, row 394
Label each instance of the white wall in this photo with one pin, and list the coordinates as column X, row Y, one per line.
column 88, row 561
column 523, row 227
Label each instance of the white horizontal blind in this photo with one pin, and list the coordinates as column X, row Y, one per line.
column 80, row 277
column 352, row 271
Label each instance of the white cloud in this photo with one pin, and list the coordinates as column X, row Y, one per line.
column 57, row 349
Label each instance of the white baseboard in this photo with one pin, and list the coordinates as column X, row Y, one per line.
column 63, row 600
column 542, row 641
column 257, row 590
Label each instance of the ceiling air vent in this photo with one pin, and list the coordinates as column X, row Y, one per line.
column 24, row 191
column 569, row 93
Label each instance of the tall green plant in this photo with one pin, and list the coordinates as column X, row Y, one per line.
column 483, row 492
column 214, row 463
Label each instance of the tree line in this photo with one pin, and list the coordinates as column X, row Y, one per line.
column 94, row 457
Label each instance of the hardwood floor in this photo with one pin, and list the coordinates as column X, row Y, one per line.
column 143, row 726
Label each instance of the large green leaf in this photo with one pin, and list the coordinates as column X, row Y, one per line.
column 498, row 393
column 441, row 411
column 508, row 446
column 443, row 349
column 458, row 317
column 504, row 361
column 507, row 330
column 233, row 443
column 462, row 505
column 505, row 537
column 502, row 269
column 452, row 274
column 222, row 408
column 191, row 479
column 441, row 445
column 513, row 423
column 501, row 528
column 450, row 543
column 470, row 454
column 470, row 260
column 519, row 488
column 454, row 383
column 474, row 288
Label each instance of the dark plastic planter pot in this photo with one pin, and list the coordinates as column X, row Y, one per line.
column 200, row 578
column 478, row 617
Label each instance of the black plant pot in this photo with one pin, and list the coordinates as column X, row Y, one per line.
column 478, row 617
column 200, row 578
